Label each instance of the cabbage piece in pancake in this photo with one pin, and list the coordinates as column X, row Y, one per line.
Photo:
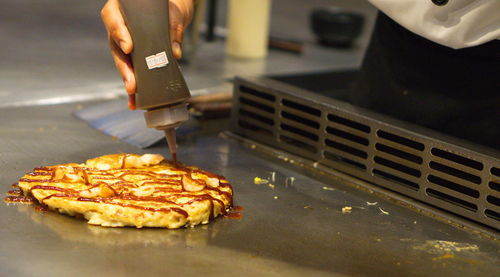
column 131, row 190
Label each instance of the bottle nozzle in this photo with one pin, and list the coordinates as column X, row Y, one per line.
column 172, row 143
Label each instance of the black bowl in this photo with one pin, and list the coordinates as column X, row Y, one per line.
column 336, row 27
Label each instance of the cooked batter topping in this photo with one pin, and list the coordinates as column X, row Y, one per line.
column 131, row 190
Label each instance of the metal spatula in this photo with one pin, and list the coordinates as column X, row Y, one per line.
column 115, row 119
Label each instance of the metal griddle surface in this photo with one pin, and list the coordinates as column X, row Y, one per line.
column 301, row 233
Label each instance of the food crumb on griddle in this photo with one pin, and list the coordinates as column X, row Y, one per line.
column 273, row 176
column 384, row 212
column 289, row 181
column 260, row 181
column 346, row 210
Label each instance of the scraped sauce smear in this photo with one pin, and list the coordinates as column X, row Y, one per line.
column 234, row 213
column 16, row 196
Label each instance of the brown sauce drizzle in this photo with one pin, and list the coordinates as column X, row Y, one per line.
column 86, row 177
column 124, row 158
column 210, row 175
column 121, row 184
column 43, row 168
column 19, row 199
column 233, row 215
column 144, row 198
column 173, row 186
column 103, row 177
column 175, row 183
column 37, row 181
column 55, row 195
column 17, row 196
column 15, row 192
column 164, row 190
column 237, row 208
column 51, row 188
column 41, row 208
column 126, row 205
column 226, row 193
column 137, row 172
column 203, row 197
column 40, row 173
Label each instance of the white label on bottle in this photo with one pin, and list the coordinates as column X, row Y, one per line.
column 157, row 61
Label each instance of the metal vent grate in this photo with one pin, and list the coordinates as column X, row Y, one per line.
column 385, row 152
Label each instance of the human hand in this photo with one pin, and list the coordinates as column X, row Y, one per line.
column 120, row 41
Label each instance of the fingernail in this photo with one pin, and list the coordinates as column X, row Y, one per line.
column 131, row 101
column 122, row 46
column 176, row 49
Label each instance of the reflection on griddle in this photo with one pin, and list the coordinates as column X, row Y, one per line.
column 70, row 229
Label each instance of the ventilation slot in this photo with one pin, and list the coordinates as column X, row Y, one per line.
column 257, row 105
column 398, row 153
column 456, row 158
column 493, row 200
column 256, row 93
column 349, row 123
column 453, row 186
column 297, row 143
column 401, row 140
column 401, row 181
column 455, row 172
column 346, row 149
column 495, row 186
column 299, row 132
column 254, row 128
column 348, row 136
column 492, row 214
column 397, row 166
column 301, row 120
column 453, row 200
column 337, row 158
column 300, row 107
column 257, row 117
column 495, row 171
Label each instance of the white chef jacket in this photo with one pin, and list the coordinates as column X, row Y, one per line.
column 457, row 24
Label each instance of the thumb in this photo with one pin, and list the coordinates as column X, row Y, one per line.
column 176, row 36
column 179, row 18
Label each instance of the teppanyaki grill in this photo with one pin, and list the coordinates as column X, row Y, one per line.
column 443, row 172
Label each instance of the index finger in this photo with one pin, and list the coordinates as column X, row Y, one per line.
column 115, row 25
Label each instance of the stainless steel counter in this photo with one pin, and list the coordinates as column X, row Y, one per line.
column 296, row 228
column 55, row 51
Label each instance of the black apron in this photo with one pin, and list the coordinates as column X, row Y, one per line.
column 414, row 79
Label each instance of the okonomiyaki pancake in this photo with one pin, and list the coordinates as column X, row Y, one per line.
column 131, row 190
